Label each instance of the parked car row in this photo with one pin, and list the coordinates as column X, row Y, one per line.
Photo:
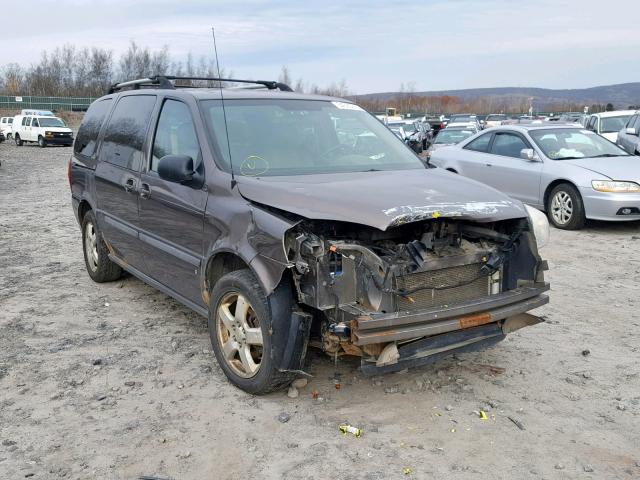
column 36, row 126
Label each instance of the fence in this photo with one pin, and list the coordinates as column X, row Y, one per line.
column 55, row 104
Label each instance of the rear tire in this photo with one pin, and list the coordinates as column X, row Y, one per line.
column 18, row 140
column 241, row 336
column 96, row 257
column 565, row 209
column 41, row 142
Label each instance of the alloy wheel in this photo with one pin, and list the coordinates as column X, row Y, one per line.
column 91, row 246
column 562, row 208
column 239, row 335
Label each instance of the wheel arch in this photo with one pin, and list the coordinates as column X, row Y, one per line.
column 225, row 260
column 83, row 207
column 553, row 185
column 219, row 264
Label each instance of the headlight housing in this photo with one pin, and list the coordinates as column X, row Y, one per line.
column 539, row 224
column 615, row 186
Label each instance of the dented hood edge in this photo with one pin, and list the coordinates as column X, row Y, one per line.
column 382, row 199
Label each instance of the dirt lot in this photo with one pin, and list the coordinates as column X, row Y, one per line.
column 116, row 381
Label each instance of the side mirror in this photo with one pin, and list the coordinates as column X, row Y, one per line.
column 529, row 154
column 631, row 131
column 177, row 168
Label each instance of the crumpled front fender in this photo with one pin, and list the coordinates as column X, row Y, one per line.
column 257, row 237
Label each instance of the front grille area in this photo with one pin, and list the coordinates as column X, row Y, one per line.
column 475, row 286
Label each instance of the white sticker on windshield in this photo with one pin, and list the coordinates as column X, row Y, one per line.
column 347, row 106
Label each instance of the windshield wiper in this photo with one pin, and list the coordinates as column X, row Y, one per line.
column 610, row 155
column 569, row 158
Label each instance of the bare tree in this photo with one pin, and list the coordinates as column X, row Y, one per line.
column 14, row 81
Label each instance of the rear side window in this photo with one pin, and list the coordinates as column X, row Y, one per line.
column 175, row 134
column 87, row 137
column 126, row 131
column 480, row 144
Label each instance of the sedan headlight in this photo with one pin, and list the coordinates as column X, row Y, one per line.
column 616, row 187
column 540, row 225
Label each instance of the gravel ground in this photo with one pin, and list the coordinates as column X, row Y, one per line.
column 118, row 380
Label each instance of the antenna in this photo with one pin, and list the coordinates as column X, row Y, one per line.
column 224, row 112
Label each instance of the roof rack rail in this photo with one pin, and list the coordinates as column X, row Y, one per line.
column 164, row 81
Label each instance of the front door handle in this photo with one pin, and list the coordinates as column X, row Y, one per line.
column 145, row 190
column 130, row 185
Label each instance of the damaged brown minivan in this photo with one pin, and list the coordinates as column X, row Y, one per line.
column 293, row 220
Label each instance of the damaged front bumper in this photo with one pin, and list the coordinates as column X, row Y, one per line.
column 443, row 331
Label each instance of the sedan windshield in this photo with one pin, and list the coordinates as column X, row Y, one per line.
column 449, row 137
column 462, row 118
column 51, row 122
column 271, row 137
column 496, row 118
column 613, row 124
column 407, row 127
column 572, row 143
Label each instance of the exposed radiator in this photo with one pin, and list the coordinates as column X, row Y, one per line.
column 475, row 285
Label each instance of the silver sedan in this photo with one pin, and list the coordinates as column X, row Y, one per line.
column 571, row 173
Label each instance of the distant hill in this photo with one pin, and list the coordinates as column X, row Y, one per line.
column 621, row 95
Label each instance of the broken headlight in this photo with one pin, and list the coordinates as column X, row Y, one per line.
column 539, row 225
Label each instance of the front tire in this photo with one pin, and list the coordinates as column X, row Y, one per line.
column 240, row 327
column 565, row 208
column 96, row 258
column 41, row 142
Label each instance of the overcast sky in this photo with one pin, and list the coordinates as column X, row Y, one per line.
column 374, row 45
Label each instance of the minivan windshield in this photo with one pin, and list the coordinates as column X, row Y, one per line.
column 273, row 137
column 51, row 122
column 572, row 143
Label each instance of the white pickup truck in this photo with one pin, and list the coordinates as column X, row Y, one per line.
column 5, row 126
column 45, row 130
